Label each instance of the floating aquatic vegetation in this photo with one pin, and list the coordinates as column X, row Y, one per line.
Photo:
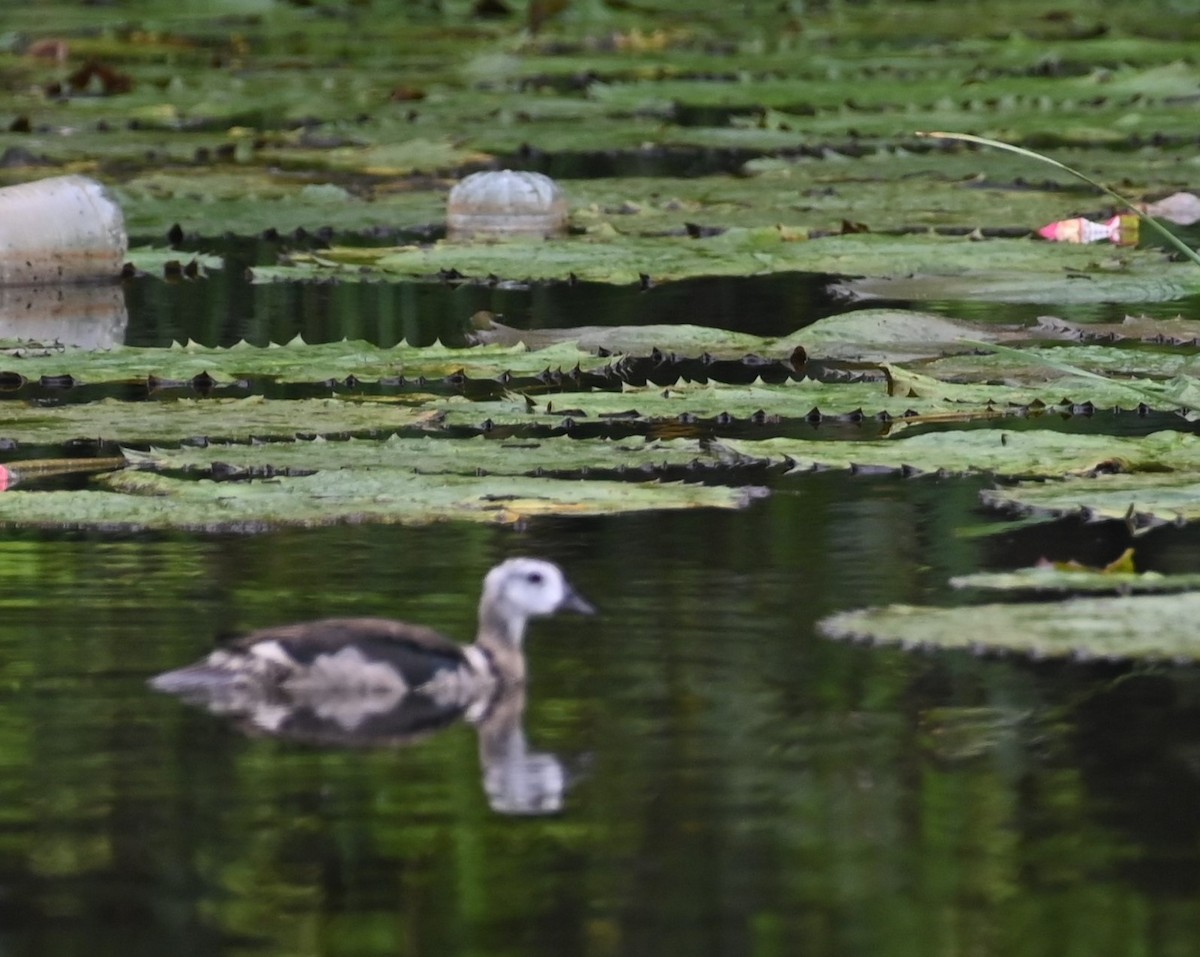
column 1156, row 627
column 607, row 256
column 1141, row 501
column 478, row 456
column 1049, row 579
column 524, row 404
column 1030, row 453
column 170, row 263
column 274, row 128
column 113, row 420
column 140, row 500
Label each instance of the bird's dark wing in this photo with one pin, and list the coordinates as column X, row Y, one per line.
column 416, row 652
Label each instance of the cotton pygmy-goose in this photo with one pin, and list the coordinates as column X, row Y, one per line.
column 385, row 659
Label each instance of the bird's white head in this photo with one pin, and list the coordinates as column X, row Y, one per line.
column 530, row 587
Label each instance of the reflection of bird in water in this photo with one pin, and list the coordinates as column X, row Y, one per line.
column 516, row 779
column 374, row 681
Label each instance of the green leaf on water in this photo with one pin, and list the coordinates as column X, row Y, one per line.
column 1164, row 284
column 211, row 202
column 868, row 335
column 1150, row 329
column 1054, row 580
column 476, row 456
column 228, row 419
column 293, row 362
column 1009, row 453
column 1149, row 499
column 1106, row 375
column 141, row 500
column 1145, row 626
column 903, row 403
column 612, row 257
column 154, row 260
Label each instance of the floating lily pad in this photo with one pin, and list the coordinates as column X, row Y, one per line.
column 293, row 362
column 137, row 500
column 230, row 419
column 1148, row 499
column 212, row 200
column 1177, row 331
column 1164, row 373
column 616, row 258
column 1060, row 581
column 812, row 199
column 248, row 202
column 869, row 335
column 903, row 402
column 438, row 456
column 1145, row 626
column 1065, row 288
column 155, row 262
column 1001, row 452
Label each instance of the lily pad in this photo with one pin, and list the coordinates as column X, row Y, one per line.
column 901, row 403
column 138, row 500
column 1166, row 373
column 867, row 335
column 229, row 419
column 1000, row 452
column 1177, row 331
column 1016, row 286
column 1059, row 581
column 1145, row 626
column 211, row 202
column 627, row 259
column 475, row 456
column 154, row 261
column 293, row 362
column 1148, row 499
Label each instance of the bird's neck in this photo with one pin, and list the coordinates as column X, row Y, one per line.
column 501, row 637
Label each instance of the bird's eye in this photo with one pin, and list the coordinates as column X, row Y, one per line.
column 534, row 578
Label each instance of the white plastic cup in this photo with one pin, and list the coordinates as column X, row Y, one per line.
column 66, row 229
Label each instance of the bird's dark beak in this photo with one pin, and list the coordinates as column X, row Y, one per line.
column 573, row 601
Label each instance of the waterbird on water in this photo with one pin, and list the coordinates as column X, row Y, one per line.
column 347, row 662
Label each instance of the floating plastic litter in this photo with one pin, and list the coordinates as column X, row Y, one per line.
column 85, row 315
column 1120, row 230
column 61, row 230
column 504, row 203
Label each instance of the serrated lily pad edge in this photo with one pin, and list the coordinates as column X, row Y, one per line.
column 1143, row 627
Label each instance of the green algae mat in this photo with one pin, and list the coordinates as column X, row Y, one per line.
column 690, row 144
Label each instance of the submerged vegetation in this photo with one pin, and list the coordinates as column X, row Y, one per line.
column 690, row 144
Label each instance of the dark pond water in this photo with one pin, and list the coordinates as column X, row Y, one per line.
column 737, row 784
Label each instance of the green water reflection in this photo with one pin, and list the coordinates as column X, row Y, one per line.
column 225, row 308
column 743, row 787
